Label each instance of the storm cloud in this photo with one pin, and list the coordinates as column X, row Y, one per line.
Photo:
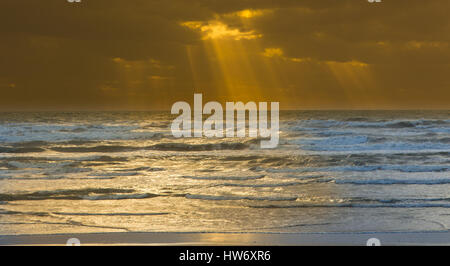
column 147, row 54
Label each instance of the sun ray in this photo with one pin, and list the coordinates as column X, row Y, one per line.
column 241, row 72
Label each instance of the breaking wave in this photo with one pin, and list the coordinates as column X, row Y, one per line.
column 225, row 177
column 389, row 181
column 212, row 197
column 77, row 194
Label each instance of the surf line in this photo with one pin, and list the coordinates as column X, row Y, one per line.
column 213, row 125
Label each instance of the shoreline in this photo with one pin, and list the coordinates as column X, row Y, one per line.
column 232, row 238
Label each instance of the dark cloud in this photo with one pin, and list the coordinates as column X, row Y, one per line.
column 114, row 54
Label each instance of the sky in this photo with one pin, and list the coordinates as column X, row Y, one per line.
column 148, row 54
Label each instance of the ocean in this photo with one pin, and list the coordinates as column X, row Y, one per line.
column 333, row 171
